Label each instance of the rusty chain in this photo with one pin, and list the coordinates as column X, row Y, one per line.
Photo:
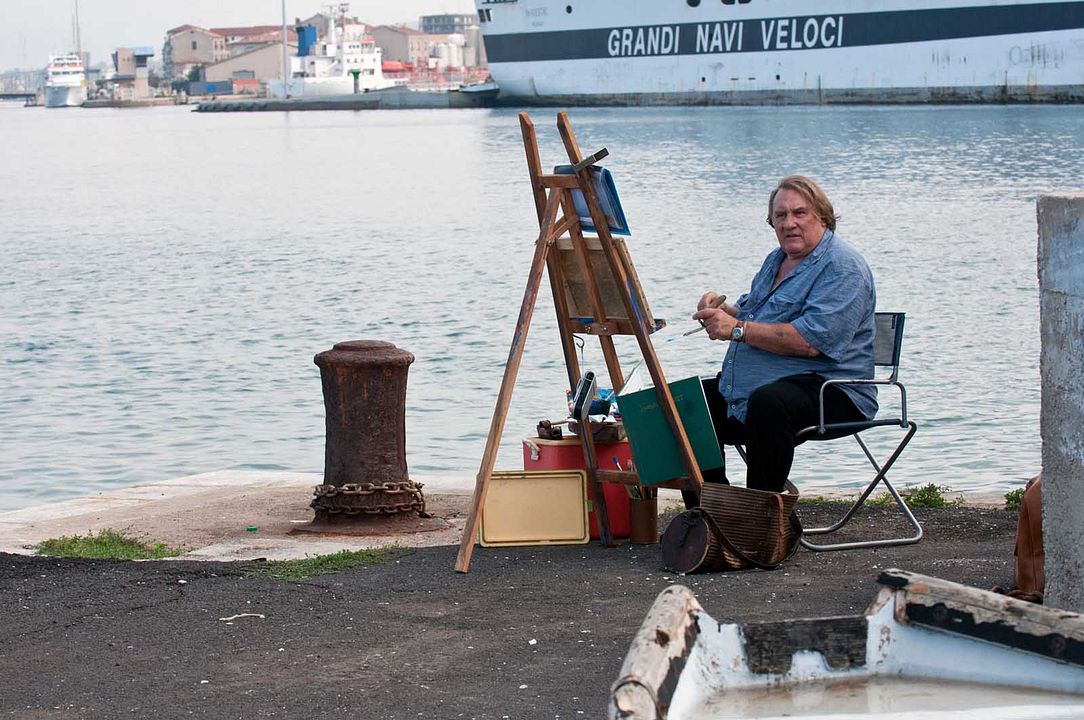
column 343, row 499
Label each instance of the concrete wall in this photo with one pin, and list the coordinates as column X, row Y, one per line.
column 264, row 64
column 1061, row 310
column 394, row 43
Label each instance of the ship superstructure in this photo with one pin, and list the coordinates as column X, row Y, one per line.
column 345, row 61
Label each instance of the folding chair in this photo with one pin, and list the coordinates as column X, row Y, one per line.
column 886, row 353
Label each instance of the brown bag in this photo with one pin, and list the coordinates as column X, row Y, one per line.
column 1030, row 557
column 734, row 528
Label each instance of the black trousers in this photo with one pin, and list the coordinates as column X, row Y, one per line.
column 775, row 414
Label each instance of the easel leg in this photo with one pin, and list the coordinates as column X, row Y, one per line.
column 511, row 370
column 602, row 514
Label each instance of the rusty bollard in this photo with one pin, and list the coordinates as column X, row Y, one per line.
column 365, row 469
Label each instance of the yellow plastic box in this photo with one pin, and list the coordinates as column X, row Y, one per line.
column 535, row 507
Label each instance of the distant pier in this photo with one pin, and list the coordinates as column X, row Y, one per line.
column 390, row 99
column 29, row 98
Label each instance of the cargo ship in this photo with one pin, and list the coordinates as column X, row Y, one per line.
column 719, row 52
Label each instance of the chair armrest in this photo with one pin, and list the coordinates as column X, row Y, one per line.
column 862, row 381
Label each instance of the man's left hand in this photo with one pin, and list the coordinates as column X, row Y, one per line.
column 717, row 322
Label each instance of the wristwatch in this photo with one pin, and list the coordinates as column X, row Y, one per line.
column 737, row 334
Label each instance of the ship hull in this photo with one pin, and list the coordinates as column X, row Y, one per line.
column 64, row 96
column 616, row 52
column 325, row 87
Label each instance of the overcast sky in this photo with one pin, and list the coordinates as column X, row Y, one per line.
column 31, row 30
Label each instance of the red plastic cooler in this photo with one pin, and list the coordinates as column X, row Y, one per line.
column 567, row 454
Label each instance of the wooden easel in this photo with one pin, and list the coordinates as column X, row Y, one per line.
column 578, row 275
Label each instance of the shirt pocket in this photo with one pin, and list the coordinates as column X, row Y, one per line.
column 782, row 307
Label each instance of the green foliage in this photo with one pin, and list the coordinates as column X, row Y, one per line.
column 822, row 500
column 106, row 545
column 1013, row 498
column 929, row 495
column 882, row 500
column 932, row 496
column 305, row 568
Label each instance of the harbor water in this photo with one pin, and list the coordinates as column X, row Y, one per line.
column 168, row 276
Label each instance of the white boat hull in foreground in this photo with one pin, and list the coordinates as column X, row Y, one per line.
column 926, row 649
column 633, row 52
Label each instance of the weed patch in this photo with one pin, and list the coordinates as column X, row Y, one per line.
column 1013, row 499
column 928, row 496
column 106, row 545
column 306, row 568
column 822, row 500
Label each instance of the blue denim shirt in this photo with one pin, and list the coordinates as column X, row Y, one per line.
column 829, row 298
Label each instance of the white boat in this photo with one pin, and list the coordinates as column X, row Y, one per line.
column 926, row 649
column 672, row 52
column 65, row 81
column 345, row 62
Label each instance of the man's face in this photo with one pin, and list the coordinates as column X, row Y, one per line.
column 797, row 227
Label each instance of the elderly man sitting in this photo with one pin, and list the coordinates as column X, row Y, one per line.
column 808, row 317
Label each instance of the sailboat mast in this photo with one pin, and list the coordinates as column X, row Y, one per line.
column 78, row 39
column 285, row 56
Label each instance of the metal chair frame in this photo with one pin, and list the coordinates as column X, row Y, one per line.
column 885, row 355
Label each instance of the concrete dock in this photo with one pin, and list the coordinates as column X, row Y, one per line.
column 389, row 99
column 210, row 515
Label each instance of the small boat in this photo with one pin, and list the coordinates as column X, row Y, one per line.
column 65, row 81
column 925, row 649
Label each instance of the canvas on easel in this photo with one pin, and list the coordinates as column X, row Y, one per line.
column 595, row 292
column 602, row 180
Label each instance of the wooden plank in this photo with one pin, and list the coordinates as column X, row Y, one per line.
column 612, row 292
column 602, row 513
column 591, row 280
column 564, row 326
column 534, row 164
column 575, row 234
column 634, row 286
column 948, row 606
column 612, row 326
column 559, row 181
column 657, row 656
column 770, row 646
column 626, row 477
column 651, row 360
column 511, row 370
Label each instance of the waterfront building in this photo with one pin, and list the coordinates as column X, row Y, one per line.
column 130, row 78
column 464, row 24
column 187, row 47
column 251, row 69
column 243, row 40
column 447, row 24
column 402, row 44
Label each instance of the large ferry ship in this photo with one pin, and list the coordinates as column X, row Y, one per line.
column 65, row 81
column 674, row 52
